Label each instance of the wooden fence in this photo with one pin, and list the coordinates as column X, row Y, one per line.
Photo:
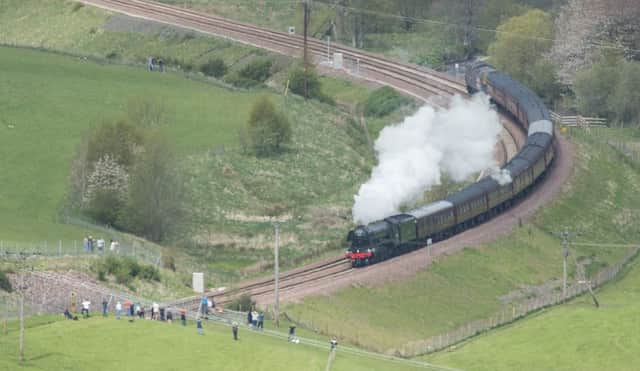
column 579, row 121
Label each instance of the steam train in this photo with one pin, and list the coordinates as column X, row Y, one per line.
column 478, row 202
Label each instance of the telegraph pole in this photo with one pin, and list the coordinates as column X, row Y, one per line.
column 277, row 267
column 565, row 255
column 307, row 11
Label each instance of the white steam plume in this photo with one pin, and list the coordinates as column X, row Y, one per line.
column 412, row 155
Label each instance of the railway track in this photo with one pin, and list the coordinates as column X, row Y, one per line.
column 427, row 85
column 417, row 81
column 326, row 269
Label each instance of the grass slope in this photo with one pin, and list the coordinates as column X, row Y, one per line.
column 108, row 344
column 475, row 283
column 576, row 336
column 48, row 102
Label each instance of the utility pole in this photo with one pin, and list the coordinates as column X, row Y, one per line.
column 307, row 10
column 565, row 255
column 277, row 267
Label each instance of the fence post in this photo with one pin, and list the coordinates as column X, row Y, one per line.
column 75, row 247
column 60, row 247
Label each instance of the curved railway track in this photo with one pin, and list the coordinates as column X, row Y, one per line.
column 333, row 267
column 427, row 85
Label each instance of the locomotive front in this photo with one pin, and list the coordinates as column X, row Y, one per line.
column 361, row 248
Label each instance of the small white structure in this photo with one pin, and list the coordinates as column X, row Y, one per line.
column 337, row 61
column 198, row 282
column 291, row 30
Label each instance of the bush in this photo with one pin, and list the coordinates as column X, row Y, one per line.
column 241, row 82
column 214, row 67
column 5, row 284
column 314, row 87
column 169, row 262
column 104, row 207
column 241, row 303
column 258, row 70
column 125, row 269
column 268, row 129
column 383, row 101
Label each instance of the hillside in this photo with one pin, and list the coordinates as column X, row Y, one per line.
column 576, row 336
column 477, row 283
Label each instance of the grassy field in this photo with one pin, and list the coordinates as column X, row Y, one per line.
column 108, row 344
column 477, row 283
column 50, row 101
column 575, row 336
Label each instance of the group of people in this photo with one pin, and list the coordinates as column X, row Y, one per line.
column 90, row 245
column 255, row 320
column 156, row 313
column 131, row 310
column 152, row 62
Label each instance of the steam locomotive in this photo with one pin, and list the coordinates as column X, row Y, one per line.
column 478, row 202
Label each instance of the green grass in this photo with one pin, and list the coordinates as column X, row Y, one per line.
column 472, row 284
column 108, row 344
column 50, row 101
column 575, row 336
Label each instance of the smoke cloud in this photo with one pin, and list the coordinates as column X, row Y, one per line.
column 413, row 155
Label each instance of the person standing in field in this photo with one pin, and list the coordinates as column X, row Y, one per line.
column 104, row 307
column 150, row 63
column 169, row 315
column 118, row 309
column 183, row 316
column 100, row 244
column 85, row 308
column 261, row 320
column 234, row 328
column 199, row 326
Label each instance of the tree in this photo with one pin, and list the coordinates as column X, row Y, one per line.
column 119, row 139
column 594, row 86
column 314, row 87
column 268, row 129
column 106, row 191
column 625, row 101
column 154, row 206
column 519, row 50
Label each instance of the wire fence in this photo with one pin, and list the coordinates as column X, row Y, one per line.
column 505, row 316
column 509, row 315
column 60, row 248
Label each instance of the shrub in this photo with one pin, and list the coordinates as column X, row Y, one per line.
column 5, row 284
column 104, row 207
column 125, row 269
column 241, row 82
column 169, row 262
column 257, row 70
column 383, row 101
column 314, row 87
column 243, row 302
column 268, row 129
column 214, row 67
